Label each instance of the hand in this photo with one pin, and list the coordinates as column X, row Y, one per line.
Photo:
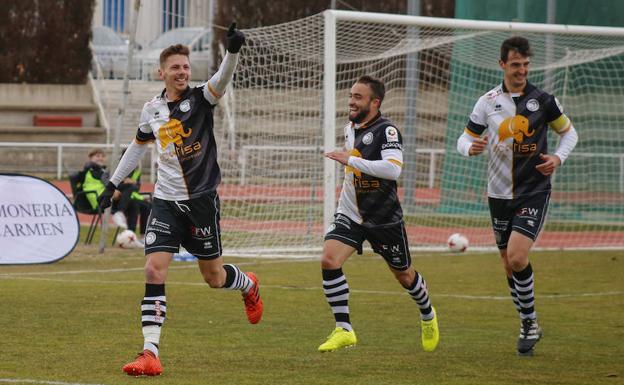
column 104, row 200
column 339, row 156
column 478, row 146
column 551, row 162
column 235, row 39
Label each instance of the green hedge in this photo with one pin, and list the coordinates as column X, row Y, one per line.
column 45, row 41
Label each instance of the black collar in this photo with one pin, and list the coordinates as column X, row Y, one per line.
column 186, row 91
column 528, row 87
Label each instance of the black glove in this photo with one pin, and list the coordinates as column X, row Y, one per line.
column 104, row 200
column 235, row 39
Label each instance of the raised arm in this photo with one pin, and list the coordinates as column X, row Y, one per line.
column 215, row 87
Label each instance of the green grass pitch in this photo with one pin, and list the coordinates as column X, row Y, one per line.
column 77, row 321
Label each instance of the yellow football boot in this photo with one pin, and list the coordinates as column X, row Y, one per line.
column 339, row 338
column 430, row 334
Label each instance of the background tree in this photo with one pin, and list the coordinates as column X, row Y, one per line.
column 45, row 41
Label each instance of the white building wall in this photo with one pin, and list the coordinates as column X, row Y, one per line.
column 149, row 26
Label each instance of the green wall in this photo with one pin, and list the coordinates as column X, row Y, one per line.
column 582, row 12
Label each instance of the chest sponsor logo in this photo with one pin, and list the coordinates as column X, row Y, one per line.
column 532, row 105
column 498, row 107
column 368, row 138
column 517, row 128
column 173, row 132
column 185, row 105
column 392, row 135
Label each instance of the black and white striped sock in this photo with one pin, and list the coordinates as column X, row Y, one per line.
column 336, row 291
column 523, row 281
column 235, row 279
column 512, row 292
column 153, row 312
column 419, row 293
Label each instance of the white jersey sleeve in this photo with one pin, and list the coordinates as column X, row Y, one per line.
column 215, row 87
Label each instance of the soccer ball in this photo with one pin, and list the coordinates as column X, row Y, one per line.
column 457, row 243
column 127, row 239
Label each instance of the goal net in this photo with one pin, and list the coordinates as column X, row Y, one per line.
column 289, row 103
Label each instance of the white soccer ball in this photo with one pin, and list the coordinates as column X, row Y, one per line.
column 457, row 243
column 127, row 239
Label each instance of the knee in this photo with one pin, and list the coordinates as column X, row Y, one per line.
column 517, row 261
column 329, row 261
column 214, row 278
column 153, row 274
column 406, row 277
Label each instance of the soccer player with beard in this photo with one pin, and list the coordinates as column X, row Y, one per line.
column 369, row 209
column 185, row 209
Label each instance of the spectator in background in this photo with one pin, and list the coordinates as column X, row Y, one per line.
column 132, row 206
column 128, row 202
column 96, row 176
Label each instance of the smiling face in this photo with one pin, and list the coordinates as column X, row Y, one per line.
column 98, row 158
column 515, row 71
column 363, row 106
column 175, row 71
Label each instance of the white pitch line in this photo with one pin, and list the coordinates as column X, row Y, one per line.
column 30, row 381
column 188, row 265
column 282, row 287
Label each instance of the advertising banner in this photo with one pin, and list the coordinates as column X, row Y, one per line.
column 38, row 223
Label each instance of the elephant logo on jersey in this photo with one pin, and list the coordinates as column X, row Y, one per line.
column 172, row 132
column 516, row 128
column 355, row 171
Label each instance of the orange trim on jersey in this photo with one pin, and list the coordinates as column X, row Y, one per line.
column 396, row 162
column 467, row 131
column 143, row 141
column 212, row 91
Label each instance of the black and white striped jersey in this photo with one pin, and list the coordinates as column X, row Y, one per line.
column 517, row 134
column 369, row 200
column 187, row 151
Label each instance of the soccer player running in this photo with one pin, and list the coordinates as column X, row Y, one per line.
column 511, row 122
column 369, row 209
column 185, row 208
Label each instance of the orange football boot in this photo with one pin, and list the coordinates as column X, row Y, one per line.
column 253, row 302
column 145, row 364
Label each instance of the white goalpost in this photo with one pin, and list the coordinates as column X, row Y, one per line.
column 291, row 92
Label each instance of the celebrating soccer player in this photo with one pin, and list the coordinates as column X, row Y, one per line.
column 186, row 209
column 369, row 209
column 516, row 115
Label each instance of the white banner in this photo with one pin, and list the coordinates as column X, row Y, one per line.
column 38, row 223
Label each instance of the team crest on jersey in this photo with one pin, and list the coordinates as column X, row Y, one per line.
column 368, row 138
column 185, row 105
column 532, row 105
column 392, row 135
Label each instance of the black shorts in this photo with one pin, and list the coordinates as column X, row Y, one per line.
column 193, row 223
column 389, row 242
column 525, row 215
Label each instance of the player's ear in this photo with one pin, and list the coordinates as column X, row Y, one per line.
column 160, row 73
